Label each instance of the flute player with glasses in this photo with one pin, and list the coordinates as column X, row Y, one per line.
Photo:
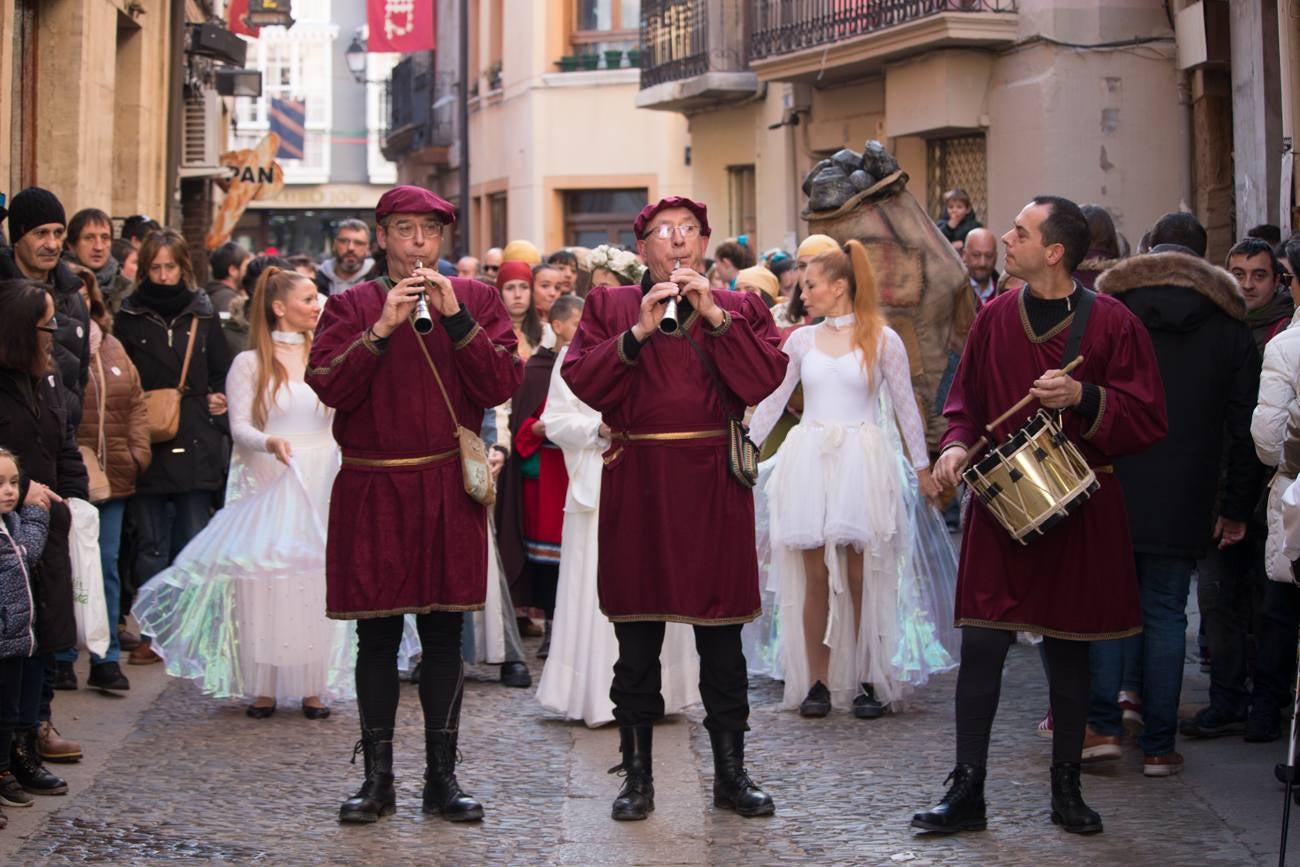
column 676, row 529
column 409, row 382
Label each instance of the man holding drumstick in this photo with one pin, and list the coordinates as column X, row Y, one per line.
column 1077, row 582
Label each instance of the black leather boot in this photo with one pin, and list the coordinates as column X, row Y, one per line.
column 1068, row 808
column 25, row 762
column 443, row 796
column 732, row 787
column 961, row 809
column 376, row 797
column 636, row 800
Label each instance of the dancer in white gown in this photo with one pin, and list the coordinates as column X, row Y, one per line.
column 842, row 527
column 580, row 668
column 242, row 609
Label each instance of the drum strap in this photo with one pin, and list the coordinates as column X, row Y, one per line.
column 1075, row 337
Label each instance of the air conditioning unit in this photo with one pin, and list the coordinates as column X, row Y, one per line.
column 199, row 129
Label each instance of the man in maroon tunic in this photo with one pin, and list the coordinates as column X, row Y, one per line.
column 676, row 529
column 404, row 537
column 1077, row 582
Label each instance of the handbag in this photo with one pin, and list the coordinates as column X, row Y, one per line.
column 164, row 404
column 475, row 472
column 742, row 454
column 97, row 479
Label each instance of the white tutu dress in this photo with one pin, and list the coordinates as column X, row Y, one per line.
column 837, row 482
column 241, row 611
column 580, row 668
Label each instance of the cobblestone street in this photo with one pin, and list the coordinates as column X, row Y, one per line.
column 172, row 776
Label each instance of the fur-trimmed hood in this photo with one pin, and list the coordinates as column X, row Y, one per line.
column 1171, row 270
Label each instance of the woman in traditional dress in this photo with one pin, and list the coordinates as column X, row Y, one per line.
column 842, row 527
column 242, row 610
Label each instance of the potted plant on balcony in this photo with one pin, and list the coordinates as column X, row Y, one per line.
column 614, row 58
column 567, row 63
column 634, row 57
column 589, row 61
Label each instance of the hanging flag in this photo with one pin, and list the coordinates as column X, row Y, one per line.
column 236, row 14
column 288, row 121
column 405, row 26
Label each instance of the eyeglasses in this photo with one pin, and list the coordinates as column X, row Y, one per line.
column 405, row 229
column 51, row 328
column 665, row 231
column 491, row 269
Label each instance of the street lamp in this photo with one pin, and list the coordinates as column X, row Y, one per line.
column 356, row 59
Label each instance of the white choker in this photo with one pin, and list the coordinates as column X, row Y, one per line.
column 289, row 337
column 835, row 323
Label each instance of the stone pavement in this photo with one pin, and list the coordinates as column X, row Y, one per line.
column 173, row 776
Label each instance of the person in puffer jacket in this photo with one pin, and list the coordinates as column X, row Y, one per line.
column 1275, row 428
column 22, row 540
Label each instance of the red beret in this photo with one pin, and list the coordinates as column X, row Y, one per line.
column 697, row 208
column 408, row 199
column 514, row 271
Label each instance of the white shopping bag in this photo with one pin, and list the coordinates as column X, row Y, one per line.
column 88, row 578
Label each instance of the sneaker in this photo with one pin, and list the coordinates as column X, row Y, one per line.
column 818, row 702
column 12, row 793
column 866, row 705
column 1046, row 725
column 1099, row 747
column 109, row 676
column 1210, row 722
column 1262, row 725
column 64, row 676
column 1162, row 766
column 1131, row 704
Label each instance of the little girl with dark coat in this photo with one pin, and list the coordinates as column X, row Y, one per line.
column 22, row 540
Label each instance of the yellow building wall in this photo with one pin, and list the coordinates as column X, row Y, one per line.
column 8, row 175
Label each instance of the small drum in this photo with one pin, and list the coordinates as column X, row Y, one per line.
column 1033, row 480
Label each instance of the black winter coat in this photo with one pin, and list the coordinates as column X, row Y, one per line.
column 196, row 459
column 34, row 425
column 1210, row 366
column 72, row 339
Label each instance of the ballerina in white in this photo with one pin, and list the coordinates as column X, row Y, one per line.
column 242, row 609
column 580, row 668
column 842, row 527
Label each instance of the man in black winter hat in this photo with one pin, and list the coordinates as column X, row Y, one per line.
column 37, row 227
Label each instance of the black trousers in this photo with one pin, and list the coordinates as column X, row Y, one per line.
column 442, row 674
column 979, row 686
column 724, row 680
column 1230, row 591
column 1275, row 666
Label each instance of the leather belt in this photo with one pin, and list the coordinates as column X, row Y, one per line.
column 667, row 436
column 418, row 461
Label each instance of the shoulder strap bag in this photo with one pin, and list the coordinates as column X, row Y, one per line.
column 742, row 454
column 475, row 472
column 164, row 404
column 96, row 459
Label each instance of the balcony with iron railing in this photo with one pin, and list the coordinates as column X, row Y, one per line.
column 694, row 54
column 791, row 40
column 419, row 128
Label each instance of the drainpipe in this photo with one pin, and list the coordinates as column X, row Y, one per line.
column 466, row 223
column 1187, row 133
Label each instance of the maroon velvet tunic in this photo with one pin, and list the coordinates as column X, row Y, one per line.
column 676, row 530
column 407, row 538
column 1078, row 581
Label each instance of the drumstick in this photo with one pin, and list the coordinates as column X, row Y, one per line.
column 1021, row 404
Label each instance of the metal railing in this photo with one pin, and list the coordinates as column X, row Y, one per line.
column 674, row 40
column 782, row 26
column 411, row 92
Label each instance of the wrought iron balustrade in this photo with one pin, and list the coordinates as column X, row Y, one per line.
column 674, row 40
column 412, row 120
column 783, row 26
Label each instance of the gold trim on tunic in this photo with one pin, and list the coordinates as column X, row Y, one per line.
column 398, row 462
column 722, row 326
column 338, row 359
column 468, row 338
column 667, row 435
column 1101, row 413
column 1029, row 331
column 680, row 618
column 622, row 356
column 1049, row 633
column 417, row 609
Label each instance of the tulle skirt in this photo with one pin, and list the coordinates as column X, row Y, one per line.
column 849, row 490
column 580, row 668
column 241, row 611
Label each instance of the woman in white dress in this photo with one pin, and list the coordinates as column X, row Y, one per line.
column 242, row 609
column 580, row 667
column 842, row 528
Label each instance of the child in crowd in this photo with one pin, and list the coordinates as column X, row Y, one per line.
column 22, row 539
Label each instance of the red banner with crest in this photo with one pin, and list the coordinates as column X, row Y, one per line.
column 404, row 26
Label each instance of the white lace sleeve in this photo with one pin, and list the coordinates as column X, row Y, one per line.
column 898, row 378
column 240, row 383
column 768, row 413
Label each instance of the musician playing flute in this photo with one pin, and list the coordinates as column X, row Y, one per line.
column 1077, row 583
column 404, row 536
column 676, row 532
